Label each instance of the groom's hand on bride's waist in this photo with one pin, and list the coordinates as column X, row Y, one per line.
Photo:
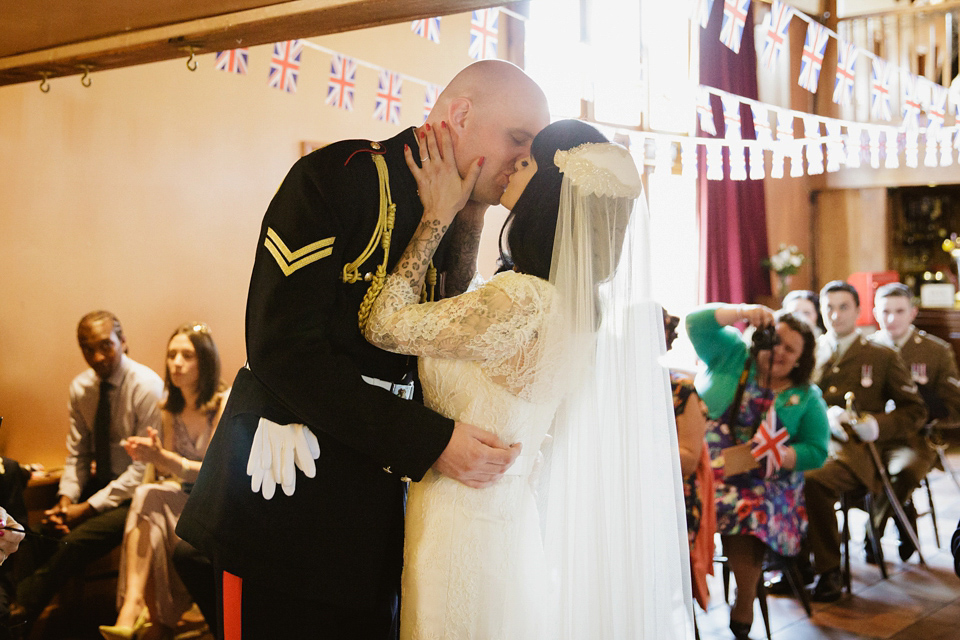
column 475, row 457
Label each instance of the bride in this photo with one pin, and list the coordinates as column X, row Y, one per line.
column 584, row 536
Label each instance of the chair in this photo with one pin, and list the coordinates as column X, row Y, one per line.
column 931, row 509
column 864, row 500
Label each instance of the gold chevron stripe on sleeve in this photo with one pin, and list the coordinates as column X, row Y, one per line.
column 290, row 261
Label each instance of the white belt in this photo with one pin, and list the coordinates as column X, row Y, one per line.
column 404, row 391
column 522, row 466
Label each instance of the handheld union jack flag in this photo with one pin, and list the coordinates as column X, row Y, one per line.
column 483, row 34
column 430, row 99
column 427, row 28
column 233, row 61
column 342, row 82
column 388, row 98
column 775, row 26
column 706, row 8
column 880, row 106
column 911, row 101
column 938, row 107
column 811, row 60
column 770, row 443
column 731, row 118
column 285, row 65
column 846, row 61
column 734, row 18
column 705, row 111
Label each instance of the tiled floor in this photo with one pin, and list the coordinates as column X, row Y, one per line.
column 915, row 603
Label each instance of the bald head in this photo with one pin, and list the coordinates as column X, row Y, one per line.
column 494, row 110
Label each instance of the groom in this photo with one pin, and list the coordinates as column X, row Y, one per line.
column 325, row 561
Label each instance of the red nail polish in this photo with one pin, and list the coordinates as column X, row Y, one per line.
column 406, row 147
column 480, row 164
column 428, row 126
column 423, row 135
column 443, row 123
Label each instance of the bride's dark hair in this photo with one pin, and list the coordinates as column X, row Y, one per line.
column 526, row 239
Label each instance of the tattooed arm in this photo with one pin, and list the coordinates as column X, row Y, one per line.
column 464, row 239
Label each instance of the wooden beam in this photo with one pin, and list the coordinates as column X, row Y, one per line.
column 252, row 27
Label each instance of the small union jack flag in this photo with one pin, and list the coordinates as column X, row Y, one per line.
column 761, row 123
column 430, row 99
column 731, row 118
column 880, row 106
column 387, row 108
column 285, row 65
column 811, row 60
column 770, row 443
column 846, row 61
column 911, row 101
column 734, row 18
column 776, row 26
column 233, row 61
column 938, row 107
column 483, row 34
column 342, row 82
column 427, row 28
column 705, row 111
column 706, row 8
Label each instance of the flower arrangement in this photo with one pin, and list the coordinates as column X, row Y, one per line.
column 786, row 261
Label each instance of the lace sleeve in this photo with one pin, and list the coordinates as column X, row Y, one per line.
column 490, row 323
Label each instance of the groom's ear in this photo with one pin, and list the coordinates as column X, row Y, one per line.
column 459, row 112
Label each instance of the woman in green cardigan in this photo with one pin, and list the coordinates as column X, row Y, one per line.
column 763, row 506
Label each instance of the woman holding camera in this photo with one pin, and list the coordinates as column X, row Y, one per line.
column 751, row 394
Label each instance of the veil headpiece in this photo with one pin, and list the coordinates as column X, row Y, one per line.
column 611, row 500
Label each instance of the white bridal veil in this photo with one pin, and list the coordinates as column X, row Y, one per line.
column 613, row 516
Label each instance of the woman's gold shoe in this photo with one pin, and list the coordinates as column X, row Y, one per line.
column 122, row 632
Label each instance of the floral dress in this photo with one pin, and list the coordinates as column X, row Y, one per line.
column 772, row 509
column 682, row 388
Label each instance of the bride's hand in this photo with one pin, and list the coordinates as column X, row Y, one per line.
column 442, row 191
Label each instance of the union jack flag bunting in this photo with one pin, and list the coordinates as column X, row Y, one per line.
column 285, row 65
column 811, row 60
column 430, row 99
column 342, row 82
column 714, row 161
column 233, row 61
column 706, row 8
column 835, row 155
column 946, row 153
column 734, row 18
column 880, row 106
column 705, row 111
column 846, row 61
column 814, row 148
column 938, row 107
column 731, row 118
column 770, row 443
column 784, row 128
column 776, row 26
column 427, row 28
column 388, row 98
column 761, row 123
column 483, row 34
column 852, row 146
column 911, row 101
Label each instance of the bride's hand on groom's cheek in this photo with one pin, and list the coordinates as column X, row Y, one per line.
column 475, row 457
column 442, row 190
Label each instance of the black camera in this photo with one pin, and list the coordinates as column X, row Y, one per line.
column 765, row 339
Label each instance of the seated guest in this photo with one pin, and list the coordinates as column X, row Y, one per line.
column 695, row 467
column 933, row 366
column 806, row 305
column 114, row 399
column 750, row 391
column 11, row 535
column 198, row 576
column 848, row 362
column 194, row 402
column 955, row 550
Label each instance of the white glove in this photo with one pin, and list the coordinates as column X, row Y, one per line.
column 278, row 450
column 867, row 428
column 836, row 416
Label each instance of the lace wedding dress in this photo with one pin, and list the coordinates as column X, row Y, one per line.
column 473, row 559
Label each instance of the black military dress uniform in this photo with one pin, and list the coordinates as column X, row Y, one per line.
column 339, row 538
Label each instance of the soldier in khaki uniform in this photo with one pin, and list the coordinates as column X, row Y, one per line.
column 933, row 366
column 847, row 361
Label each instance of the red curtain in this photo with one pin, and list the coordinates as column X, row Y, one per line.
column 731, row 214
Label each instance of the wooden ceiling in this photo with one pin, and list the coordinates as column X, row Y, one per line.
column 55, row 38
